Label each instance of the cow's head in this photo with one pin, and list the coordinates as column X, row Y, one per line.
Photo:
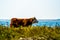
column 34, row 20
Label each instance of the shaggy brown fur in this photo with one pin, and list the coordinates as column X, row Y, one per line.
column 22, row 22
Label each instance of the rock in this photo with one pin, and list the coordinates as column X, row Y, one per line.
column 25, row 38
column 32, row 38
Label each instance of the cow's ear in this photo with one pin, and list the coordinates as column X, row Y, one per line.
column 34, row 17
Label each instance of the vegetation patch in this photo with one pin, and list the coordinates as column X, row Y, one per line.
column 32, row 33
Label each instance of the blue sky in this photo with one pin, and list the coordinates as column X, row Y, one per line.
column 41, row 9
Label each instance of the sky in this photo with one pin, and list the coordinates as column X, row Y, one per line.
column 41, row 9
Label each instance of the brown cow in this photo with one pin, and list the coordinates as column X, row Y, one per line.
column 22, row 22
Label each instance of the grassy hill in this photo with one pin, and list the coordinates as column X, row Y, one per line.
column 33, row 32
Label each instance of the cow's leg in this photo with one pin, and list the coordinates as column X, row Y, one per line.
column 11, row 25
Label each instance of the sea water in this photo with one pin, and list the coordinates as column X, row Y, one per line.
column 48, row 22
column 41, row 22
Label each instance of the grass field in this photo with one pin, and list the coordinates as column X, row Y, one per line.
column 33, row 32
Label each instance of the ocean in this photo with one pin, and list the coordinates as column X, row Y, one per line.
column 41, row 22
